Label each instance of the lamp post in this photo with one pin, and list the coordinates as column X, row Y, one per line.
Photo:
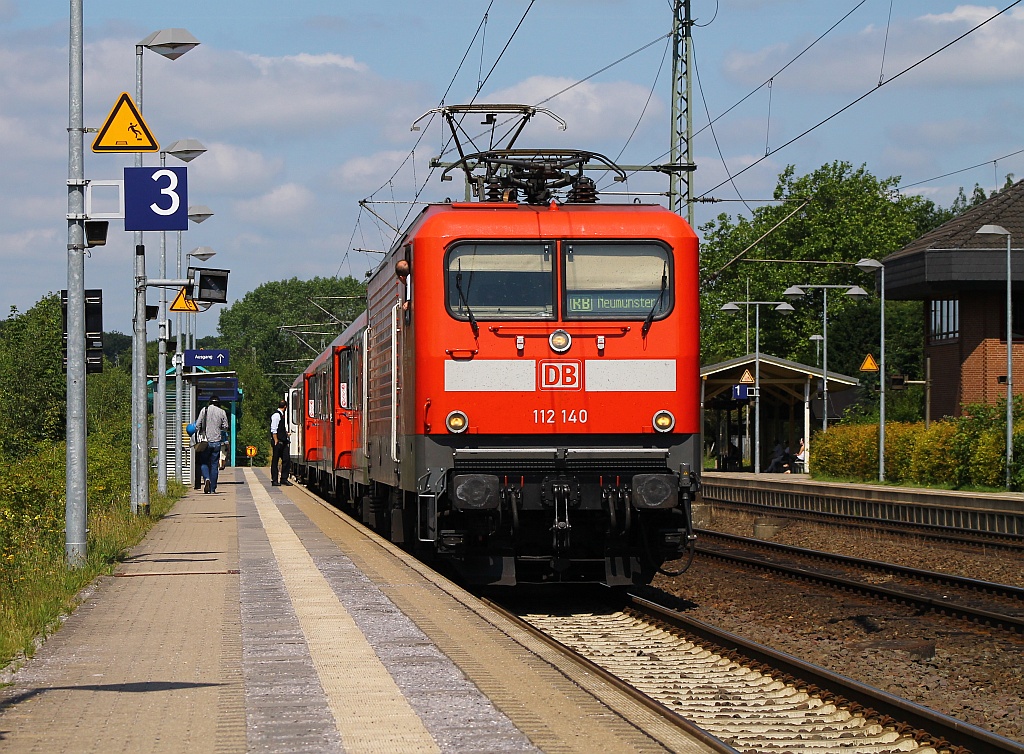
column 197, row 214
column 870, row 265
column 185, row 150
column 999, row 230
column 76, row 505
column 816, row 339
column 795, row 292
column 203, row 254
column 780, row 306
column 171, row 44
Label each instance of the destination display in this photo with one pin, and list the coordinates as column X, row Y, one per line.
column 612, row 303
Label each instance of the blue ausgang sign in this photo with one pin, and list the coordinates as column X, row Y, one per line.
column 209, row 358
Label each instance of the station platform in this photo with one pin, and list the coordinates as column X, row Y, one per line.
column 256, row 619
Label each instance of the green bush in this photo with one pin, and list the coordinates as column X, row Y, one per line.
column 988, row 461
column 967, row 451
column 934, row 460
column 900, row 441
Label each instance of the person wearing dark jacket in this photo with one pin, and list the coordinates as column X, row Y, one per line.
column 280, row 440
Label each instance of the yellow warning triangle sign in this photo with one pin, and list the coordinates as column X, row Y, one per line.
column 869, row 365
column 183, row 303
column 125, row 130
column 747, row 378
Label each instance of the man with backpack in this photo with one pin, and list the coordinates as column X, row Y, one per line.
column 212, row 427
column 280, row 440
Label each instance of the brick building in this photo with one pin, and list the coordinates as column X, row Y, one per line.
column 960, row 278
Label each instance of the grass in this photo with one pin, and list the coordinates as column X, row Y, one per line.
column 37, row 587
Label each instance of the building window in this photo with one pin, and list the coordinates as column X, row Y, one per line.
column 943, row 320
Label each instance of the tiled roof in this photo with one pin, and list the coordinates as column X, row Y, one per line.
column 1005, row 208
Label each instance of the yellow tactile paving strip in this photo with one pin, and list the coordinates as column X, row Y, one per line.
column 371, row 713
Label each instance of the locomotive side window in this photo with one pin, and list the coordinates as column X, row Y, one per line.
column 617, row 280
column 501, row 281
column 345, row 379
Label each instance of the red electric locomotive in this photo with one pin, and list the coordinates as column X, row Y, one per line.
column 521, row 398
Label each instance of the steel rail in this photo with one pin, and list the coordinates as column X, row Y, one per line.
column 924, row 720
column 631, row 691
column 935, row 577
column 941, row 607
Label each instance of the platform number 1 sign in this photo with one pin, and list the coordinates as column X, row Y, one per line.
column 155, row 198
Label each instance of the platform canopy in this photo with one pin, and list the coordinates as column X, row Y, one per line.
column 788, row 388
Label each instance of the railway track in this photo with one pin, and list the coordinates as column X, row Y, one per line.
column 947, row 534
column 982, row 602
column 749, row 696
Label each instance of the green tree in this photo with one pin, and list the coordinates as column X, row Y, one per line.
column 33, row 385
column 828, row 220
column 264, row 321
column 267, row 349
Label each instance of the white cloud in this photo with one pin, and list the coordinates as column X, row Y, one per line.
column 232, row 169
column 285, row 205
column 853, row 62
column 591, row 110
column 366, row 173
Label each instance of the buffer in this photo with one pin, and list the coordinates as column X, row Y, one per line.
column 125, row 130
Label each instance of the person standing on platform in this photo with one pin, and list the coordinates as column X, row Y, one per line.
column 279, row 438
column 212, row 423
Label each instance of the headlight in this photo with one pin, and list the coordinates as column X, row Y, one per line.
column 559, row 341
column 664, row 421
column 456, row 422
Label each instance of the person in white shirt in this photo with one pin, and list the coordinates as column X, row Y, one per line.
column 280, row 440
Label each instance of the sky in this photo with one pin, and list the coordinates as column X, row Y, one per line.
column 305, row 109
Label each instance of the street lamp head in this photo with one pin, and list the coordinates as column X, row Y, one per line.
column 817, row 338
column 869, row 265
column 199, row 212
column 857, row 293
column 202, row 253
column 171, row 43
column 785, row 307
column 992, row 230
column 730, row 307
column 793, row 292
column 185, row 150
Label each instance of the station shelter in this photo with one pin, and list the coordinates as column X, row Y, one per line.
column 199, row 386
column 791, row 407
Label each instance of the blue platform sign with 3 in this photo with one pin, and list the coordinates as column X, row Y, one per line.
column 155, row 198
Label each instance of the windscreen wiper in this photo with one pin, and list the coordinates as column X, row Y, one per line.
column 661, row 297
column 465, row 303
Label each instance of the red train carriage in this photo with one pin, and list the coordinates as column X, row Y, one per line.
column 522, row 398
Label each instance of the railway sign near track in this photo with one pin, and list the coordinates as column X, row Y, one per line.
column 747, row 378
column 869, row 364
column 124, row 130
column 212, row 357
column 155, row 198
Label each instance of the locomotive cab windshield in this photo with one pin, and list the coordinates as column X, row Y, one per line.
column 601, row 281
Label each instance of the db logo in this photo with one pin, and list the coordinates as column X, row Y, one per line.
column 561, row 375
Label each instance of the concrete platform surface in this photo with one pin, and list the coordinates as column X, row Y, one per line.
column 255, row 619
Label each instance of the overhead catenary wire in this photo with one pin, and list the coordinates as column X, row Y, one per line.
column 871, row 91
column 961, row 170
column 766, row 82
